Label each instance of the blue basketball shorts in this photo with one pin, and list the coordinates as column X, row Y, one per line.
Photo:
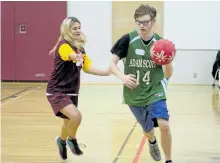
column 147, row 115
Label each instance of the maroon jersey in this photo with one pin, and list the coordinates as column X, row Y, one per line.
column 65, row 77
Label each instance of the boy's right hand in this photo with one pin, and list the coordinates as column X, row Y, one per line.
column 130, row 81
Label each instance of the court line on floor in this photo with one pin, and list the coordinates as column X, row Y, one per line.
column 139, row 150
column 32, row 90
column 124, row 143
column 15, row 94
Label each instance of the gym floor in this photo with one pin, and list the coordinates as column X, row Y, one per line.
column 109, row 132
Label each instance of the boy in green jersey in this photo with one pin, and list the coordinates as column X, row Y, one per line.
column 145, row 82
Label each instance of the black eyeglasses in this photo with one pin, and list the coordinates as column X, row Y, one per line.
column 145, row 22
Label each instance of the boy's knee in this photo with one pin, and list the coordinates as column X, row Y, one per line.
column 149, row 133
column 163, row 125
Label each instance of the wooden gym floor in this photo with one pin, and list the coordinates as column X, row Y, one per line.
column 109, row 132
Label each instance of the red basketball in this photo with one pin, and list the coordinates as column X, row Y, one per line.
column 162, row 52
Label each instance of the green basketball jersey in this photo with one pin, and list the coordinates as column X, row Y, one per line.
column 150, row 76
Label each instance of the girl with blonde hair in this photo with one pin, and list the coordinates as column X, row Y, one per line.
column 64, row 84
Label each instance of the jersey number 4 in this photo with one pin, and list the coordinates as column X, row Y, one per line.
column 145, row 78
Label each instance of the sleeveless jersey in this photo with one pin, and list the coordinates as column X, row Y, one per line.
column 150, row 77
column 65, row 77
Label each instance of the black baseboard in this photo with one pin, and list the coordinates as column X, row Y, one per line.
column 25, row 81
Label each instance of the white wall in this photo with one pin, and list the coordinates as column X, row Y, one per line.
column 193, row 25
column 189, row 62
column 194, row 28
column 96, row 20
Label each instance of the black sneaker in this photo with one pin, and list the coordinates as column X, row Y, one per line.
column 62, row 148
column 74, row 147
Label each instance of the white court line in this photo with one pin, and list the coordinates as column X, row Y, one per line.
column 20, row 96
